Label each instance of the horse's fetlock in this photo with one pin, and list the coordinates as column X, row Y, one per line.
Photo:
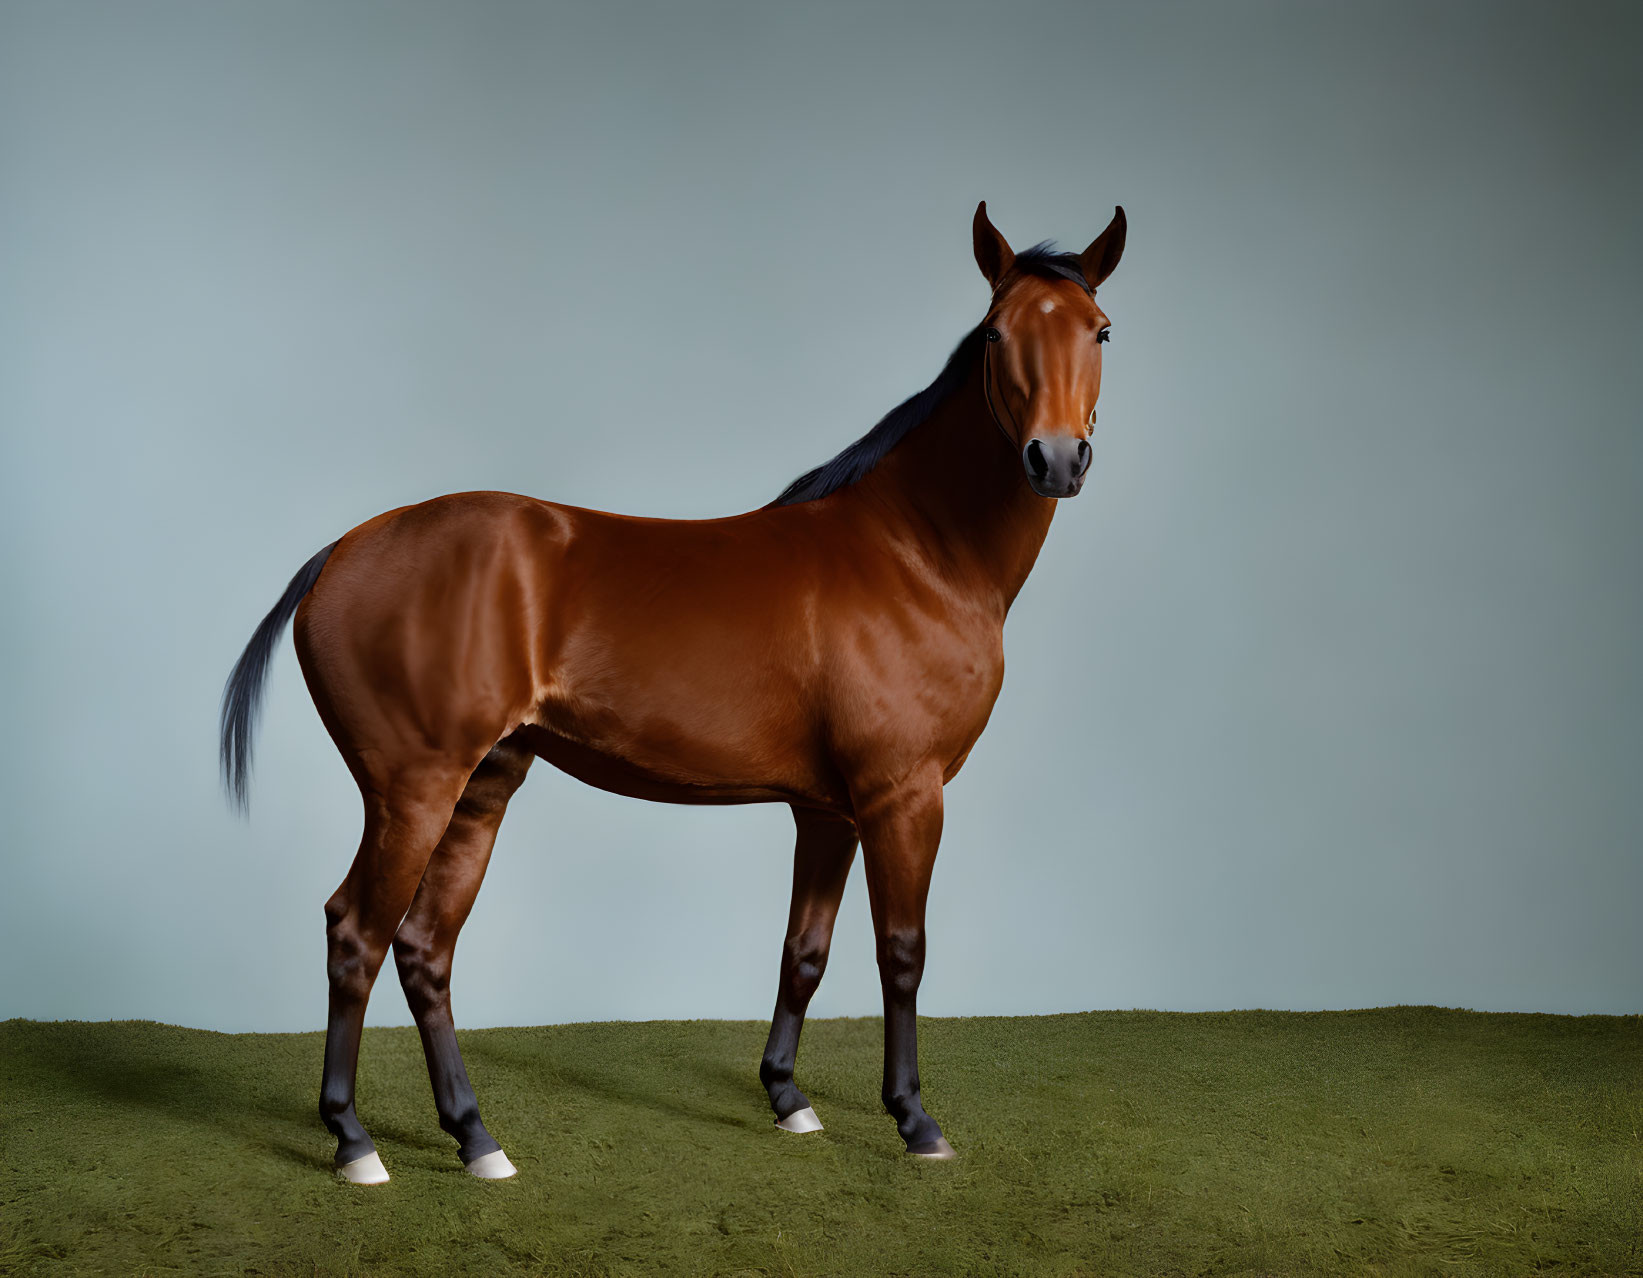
column 901, row 1103
column 462, row 1120
column 333, row 1105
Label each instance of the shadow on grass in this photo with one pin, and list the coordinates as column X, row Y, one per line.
column 702, row 1090
column 135, row 1077
column 721, row 1095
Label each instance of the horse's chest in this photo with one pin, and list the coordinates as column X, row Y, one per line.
column 916, row 692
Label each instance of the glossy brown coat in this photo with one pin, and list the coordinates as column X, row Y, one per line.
column 840, row 655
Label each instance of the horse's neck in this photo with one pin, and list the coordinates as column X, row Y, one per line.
column 956, row 483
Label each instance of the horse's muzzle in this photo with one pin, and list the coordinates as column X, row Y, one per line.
column 1056, row 466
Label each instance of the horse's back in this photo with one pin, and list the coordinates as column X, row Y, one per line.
column 684, row 648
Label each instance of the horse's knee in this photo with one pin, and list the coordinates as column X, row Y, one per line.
column 348, row 962
column 424, row 972
column 804, row 962
column 901, row 961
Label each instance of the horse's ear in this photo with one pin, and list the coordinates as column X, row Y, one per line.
column 993, row 252
column 1101, row 258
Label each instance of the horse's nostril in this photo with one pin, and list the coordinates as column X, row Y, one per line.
column 1036, row 461
column 1083, row 456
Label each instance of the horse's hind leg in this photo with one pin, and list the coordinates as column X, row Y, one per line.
column 821, row 864
column 426, row 942
column 405, row 815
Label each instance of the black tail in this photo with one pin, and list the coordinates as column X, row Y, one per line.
column 242, row 694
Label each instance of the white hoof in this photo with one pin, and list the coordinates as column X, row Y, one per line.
column 364, row 1171
column 942, row 1150
column 492, row 1166
column 800, row 1120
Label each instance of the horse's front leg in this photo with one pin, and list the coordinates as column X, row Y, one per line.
column 899, row 833
column 824, row 850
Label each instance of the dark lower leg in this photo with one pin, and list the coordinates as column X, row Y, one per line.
column 901, row 967
column 425, row 974
column 825, row 848
column 454, row 1097
column 336, row 1096
column 360, row 921
column 900, row 834
column 351, row 976
column 425, row 945
column 803, row 961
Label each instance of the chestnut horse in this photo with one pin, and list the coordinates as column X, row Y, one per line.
column 838, row 650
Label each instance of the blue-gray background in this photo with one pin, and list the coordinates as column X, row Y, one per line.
column 1325, row 693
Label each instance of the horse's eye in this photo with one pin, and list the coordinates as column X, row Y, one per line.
column 1105, row 335
column 993, row 335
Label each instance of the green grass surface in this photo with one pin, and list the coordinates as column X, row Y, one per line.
column 1399, row 1141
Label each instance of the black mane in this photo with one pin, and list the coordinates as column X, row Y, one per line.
column 1042, row 260
column 868, row 451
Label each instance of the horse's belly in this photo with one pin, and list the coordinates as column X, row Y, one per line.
column 674, row 738
column 674, row 782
